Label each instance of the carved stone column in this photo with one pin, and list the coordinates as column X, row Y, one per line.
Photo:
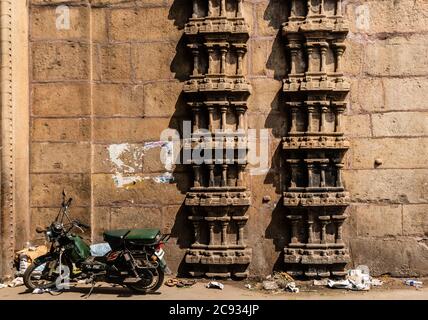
column 195, row 9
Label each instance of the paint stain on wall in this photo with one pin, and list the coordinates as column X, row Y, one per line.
column 127, row 162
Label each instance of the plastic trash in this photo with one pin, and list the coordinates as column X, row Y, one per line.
column 341, row 284
column 215, row 285
column 100, row 249
column 376, row 282
column 19, row 281
column 291, row 286
column 248, row 286
column 24, row 262
column 2, row 285
column 322, row 282
column 40, row 291
column 270, row 285
column 414, row 283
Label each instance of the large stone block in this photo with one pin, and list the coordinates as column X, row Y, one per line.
column 59, row 99
column 118, row 100
column 152, row 61
column 389, row 94
column 265, row 95
column 353, row 56
column 269, row 17
column 60, row 61
column 394, row 153
column 397, row 257
column 260, row 50
column 129, row 130
column 99, row 31
column 387, row 186
column 143, row 24
column 113, row 62
column 49, row 23
column 378, row 220
column 133, row 189
column 397, row 56
column 46, row 189
column 60, row 157
column 415, row 220
column 101, row 222
column 135, row 217
column 401, row 124
column 387, row 16
column 60, row 130
column 163, row 99
column 357, row 125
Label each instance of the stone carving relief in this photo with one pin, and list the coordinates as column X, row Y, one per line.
column 216, row 95
column 315, row 90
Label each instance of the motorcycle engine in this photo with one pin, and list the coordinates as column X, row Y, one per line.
column 94, row 264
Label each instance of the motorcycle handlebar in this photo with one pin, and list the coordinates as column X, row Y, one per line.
column 80, row 224
column 69, row 202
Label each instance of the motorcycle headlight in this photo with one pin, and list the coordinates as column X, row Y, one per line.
column 48, row 235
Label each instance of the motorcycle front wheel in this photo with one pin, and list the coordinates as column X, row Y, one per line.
column 151, row 282
column 44, row 275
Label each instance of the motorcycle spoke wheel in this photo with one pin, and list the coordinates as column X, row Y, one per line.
column 152, row 280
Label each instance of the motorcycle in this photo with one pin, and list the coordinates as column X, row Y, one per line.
column 136, row 259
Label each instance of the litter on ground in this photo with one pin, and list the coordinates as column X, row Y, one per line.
column 215, row 285
column 358, row 279
column 414, row 283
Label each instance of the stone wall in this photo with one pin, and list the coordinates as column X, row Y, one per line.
column 103, row 90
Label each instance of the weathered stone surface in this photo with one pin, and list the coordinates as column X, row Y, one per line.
column 389, row 94
column 135, row 217
column 46, row 189
column 357, row 125
column 415, row 220
column 354, row 56
column 113, row 62
column 394, row 152
column 138, row 66
column 99, row 31
column 143, row 191
column 161, row 99
column 45, row 22
column 59, row 99
column 264, row 96
column 378, row 220
column 152, row 61
column 60, row 130
column 387, row 16
column 142, row 24
column 129, row 130
column 397, row 257
column 60, row 61
column 387, row 186
column 401, row 124
column 118, row 100
column 260, row 50
column 60, row 157
column 397, row 56
column 269, row 17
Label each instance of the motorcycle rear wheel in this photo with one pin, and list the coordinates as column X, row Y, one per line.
column 155, row 284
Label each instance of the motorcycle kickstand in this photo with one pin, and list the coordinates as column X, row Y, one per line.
column 87, row 295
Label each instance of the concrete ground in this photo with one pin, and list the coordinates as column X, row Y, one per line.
column 393, row 289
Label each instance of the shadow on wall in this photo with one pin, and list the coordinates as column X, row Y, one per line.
column 181, row 65
column 277, row 120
